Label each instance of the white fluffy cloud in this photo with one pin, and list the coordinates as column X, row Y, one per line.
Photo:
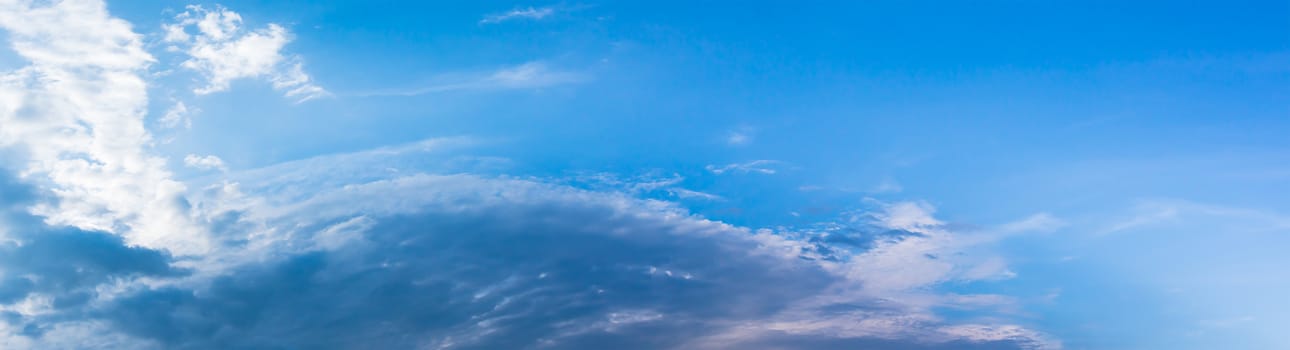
column 221, row 50
column 76, row 112
column 204, row 162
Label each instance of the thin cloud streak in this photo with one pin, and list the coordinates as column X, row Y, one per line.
column 760, row 166
column 529, row 75
column 530, row 13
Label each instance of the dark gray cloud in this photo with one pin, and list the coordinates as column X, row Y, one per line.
column 463, row 262
column 61, row 265
column 510, row 278
column 817, row 342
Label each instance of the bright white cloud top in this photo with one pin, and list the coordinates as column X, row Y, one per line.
column 77, row 112
column 222, row 51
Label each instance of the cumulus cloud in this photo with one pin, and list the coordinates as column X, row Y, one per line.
column 76, row 114
column 207, row 162
column 221, row 50
column 529, row 13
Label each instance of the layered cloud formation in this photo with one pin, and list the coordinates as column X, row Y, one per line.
column 397, row 248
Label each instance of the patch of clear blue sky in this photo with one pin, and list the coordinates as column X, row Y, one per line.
column 991, row 111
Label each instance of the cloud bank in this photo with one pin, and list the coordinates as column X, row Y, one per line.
column 101, row 248
column 468, row 262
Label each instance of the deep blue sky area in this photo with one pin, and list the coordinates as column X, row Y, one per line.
column 654, row 175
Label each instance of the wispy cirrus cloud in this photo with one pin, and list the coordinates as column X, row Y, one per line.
column 760, row 166
column 692, row 194
column 1157, row 213
column 527, row 13
column 177, row 115
column 648, row 183
column 735, row 138
column 740, row 136
column 530, row 75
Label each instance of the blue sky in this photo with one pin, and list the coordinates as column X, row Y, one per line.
column 652, row 175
